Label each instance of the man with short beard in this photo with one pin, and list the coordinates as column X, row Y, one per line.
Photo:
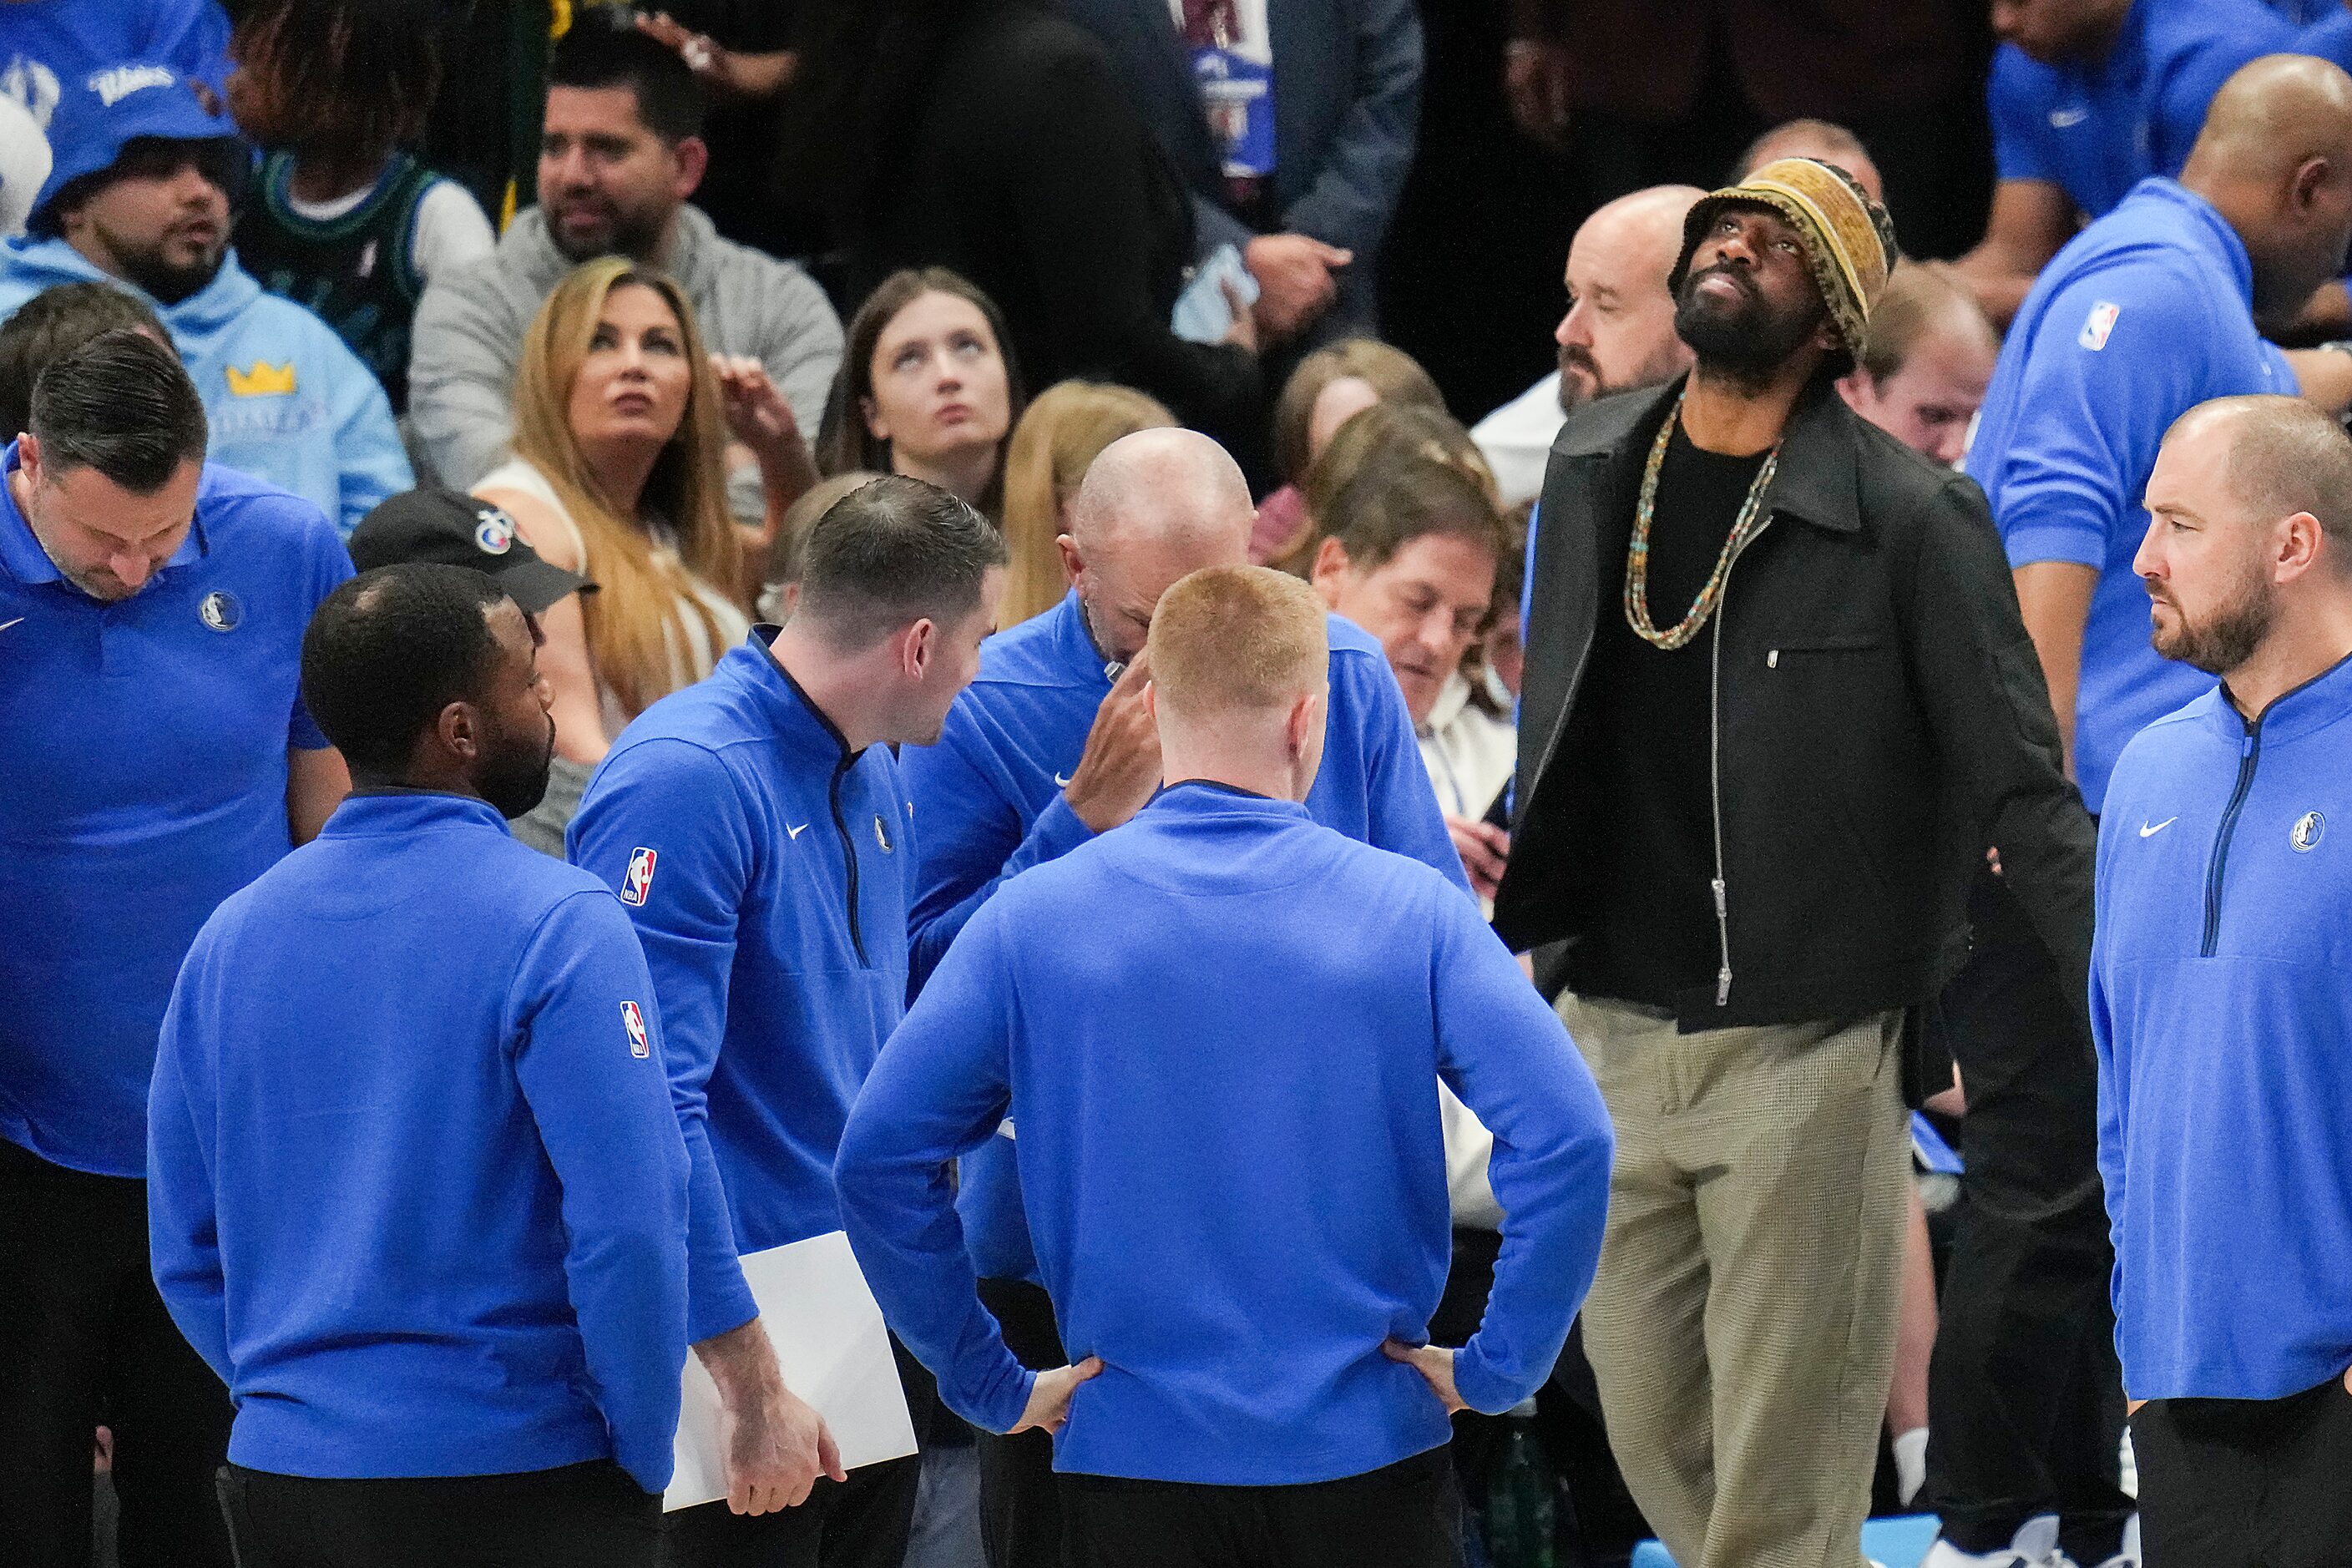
column 139, row 198
column 1617, row 336
column 1778, row 700
column 417, row 1187
column 621, row 150
column 2223, row 1027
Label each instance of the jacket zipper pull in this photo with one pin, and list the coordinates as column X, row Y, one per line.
column 1722, row 914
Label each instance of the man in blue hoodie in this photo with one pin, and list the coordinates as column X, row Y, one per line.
column 155, row 756
column 756, row 826
column 2224, row 1026
column 417, row 1187
column 1213, row 1032
column 140, row 197
column 1051, row 747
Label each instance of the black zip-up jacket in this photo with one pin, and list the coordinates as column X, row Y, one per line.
column 1879, row 718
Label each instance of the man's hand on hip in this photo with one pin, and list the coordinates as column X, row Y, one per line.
column 1435, row 1364
column 1048, row 1409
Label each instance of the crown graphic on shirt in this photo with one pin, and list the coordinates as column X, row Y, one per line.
column 263, row 380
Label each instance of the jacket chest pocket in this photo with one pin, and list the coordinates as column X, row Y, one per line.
column 1803, row 650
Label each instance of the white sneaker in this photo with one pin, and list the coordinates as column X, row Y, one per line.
column 2035, row 1545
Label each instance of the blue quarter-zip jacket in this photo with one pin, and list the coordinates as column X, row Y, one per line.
column 1231, row 1157
column 989, row 794
column 415, row 1188
column 767, row 867
column 2223, row 1023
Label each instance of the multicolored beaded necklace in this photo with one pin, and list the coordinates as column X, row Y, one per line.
column 1745, row 527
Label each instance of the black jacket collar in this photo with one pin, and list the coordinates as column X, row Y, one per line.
column 1815, row 481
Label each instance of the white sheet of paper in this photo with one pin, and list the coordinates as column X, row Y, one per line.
column 833, row 1353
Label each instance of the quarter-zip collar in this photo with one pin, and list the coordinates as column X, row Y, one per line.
column 393, row 813
column 2294, row 713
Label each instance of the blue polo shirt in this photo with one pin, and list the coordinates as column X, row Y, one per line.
column 2097, row 129
column 989, row 796
column 2142, row 316
column 2224, row 1034
column 2330, row 38
column 142, row 780
column 768, row 870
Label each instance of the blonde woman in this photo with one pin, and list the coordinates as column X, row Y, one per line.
column 621, row 424
column 1055, row 444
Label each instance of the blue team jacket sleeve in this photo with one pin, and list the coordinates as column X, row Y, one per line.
column 1510, row 1060
column 678, row 801
column 970, row 837
column 2071, row 473
column 1405, row 818
column 2111, row 1091
column 939, row 1089
column 582, row 1009
column 369, row 458
column 184, row 1246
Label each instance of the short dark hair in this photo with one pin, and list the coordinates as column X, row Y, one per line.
column 388, row 650
column 122, row 404
column 52, row 324
column 1391, row 504
column 890, row 551
column 342, row 77
column 600, row 52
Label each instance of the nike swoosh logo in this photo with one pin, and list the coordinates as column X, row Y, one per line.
column 792, row 832
column 1061, row 781
column 2148, row 832
column 5, row 624
column 2066, row 119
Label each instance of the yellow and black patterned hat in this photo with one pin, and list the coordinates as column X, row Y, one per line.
column 1848, row 241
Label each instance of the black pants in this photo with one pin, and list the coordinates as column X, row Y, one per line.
column 862, row 1522
column 84, row 1341
column 1406, row 1515
column 2247, row 1483
column 1020, row 1501
column 2023, row 1395
column 590, row 1515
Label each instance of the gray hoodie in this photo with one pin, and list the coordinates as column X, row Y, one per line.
column 467, row 338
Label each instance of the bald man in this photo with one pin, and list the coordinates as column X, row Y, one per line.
column 1821, row 140
column 1214, row 1032
column 1617, row 336
column 1923, row 375
column 1051, row 746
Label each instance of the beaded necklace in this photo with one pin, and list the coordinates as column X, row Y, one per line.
column 1745, row 527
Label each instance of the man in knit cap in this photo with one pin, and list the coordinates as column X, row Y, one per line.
column 1778, row 704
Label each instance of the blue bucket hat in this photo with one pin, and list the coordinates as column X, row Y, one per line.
column 112, row 107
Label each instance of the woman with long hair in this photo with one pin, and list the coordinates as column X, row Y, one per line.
column 928, row 387
column 618, row 473
column 1055, row 444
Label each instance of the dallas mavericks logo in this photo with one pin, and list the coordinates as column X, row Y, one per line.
column 635, row 1022
column 880, row 836
column 639, row 881
column 2306, row 832
column 494, row 531
column 220, row 611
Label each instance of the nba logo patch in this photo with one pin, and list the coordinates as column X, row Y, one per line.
column 635, row 1022
column 2100, row 322
column 640, row 879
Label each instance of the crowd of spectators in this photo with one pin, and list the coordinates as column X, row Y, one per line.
column 1024, row 233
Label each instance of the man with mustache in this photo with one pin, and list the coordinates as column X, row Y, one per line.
column 2217, row 999
column 155, row 756
column 621, row 150
column 140, row 197
column 417, row 1186
column 1617, row 336
column 1777, row 702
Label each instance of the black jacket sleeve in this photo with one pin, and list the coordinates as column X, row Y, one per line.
column 1988, row 709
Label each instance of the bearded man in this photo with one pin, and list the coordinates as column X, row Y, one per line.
column 1778, row 702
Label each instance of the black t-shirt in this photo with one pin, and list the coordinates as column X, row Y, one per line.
column 1644, row 715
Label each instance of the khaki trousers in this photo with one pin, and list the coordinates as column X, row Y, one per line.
column 1742, row 1324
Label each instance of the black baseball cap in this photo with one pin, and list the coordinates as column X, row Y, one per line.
column 458, row 529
